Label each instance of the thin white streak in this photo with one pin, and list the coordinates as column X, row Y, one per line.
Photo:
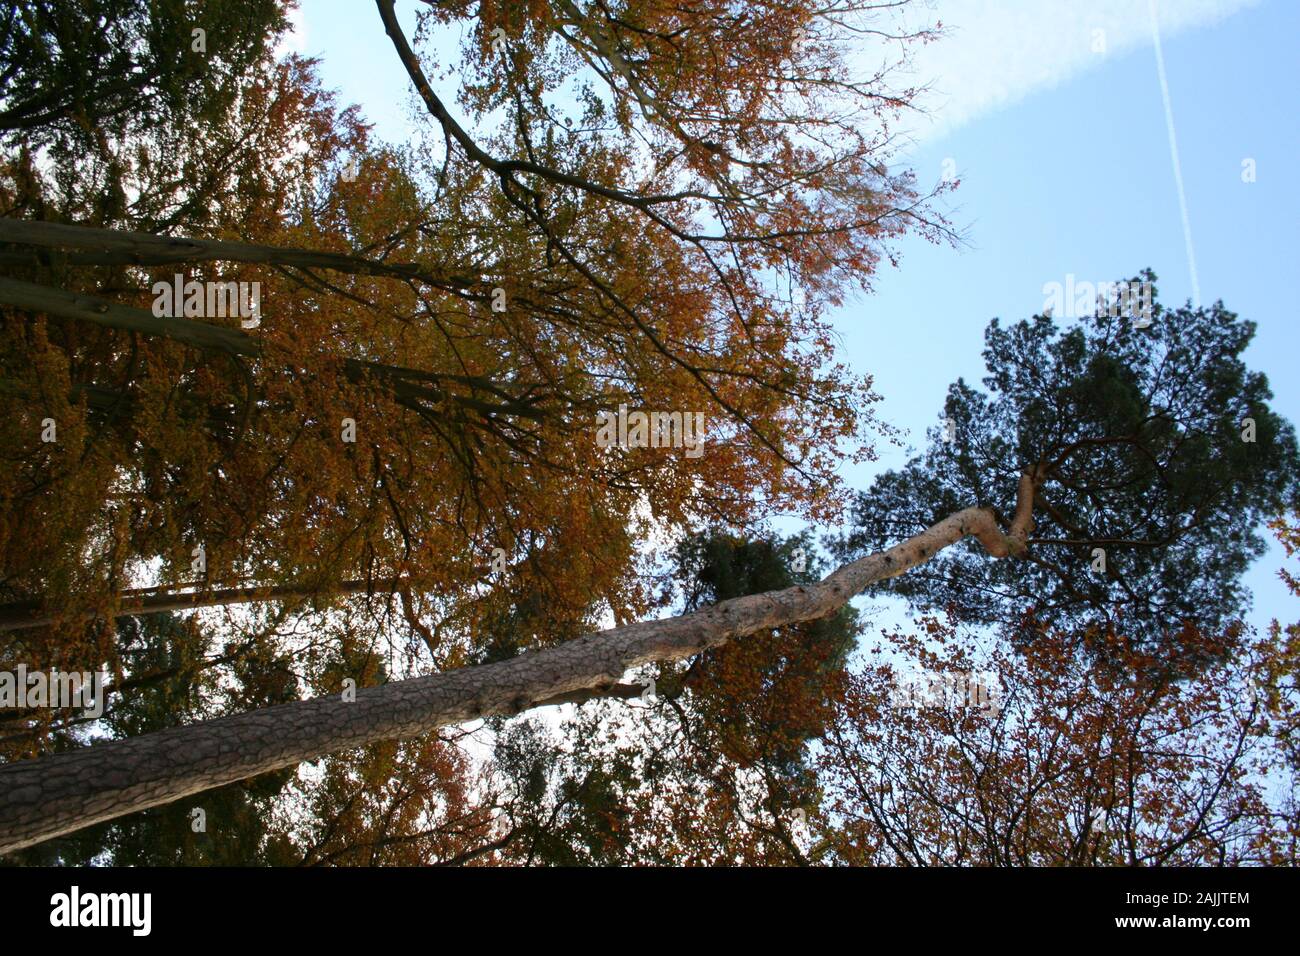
column 1173, row 149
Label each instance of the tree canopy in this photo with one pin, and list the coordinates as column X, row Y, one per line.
column 1152, row 458
column 360, row 517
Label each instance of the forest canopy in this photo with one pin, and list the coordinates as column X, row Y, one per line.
column 325, row 451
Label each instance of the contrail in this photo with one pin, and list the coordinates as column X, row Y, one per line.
column 1173, row 149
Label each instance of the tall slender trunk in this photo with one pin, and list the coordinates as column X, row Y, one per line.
column 119, row 247
column 19, row 615
column 49, row 796
column 108, row 246
column 409, row 385
column 87, row 308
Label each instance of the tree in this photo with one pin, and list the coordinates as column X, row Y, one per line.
column 384, row 804
column 1147, row 456
column 87, row 68
column 96, row 499
column 76, row 788
column 712, row 765
column 674, row 245
column 945, row 745
column 174, row 683
column 74, row 77
column 463, row 407
column 1087, row 755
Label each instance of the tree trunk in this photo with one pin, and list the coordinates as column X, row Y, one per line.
column 49, row 796
column 409, row 385
column 19, row 615
column 119, row 247
column 87, row 308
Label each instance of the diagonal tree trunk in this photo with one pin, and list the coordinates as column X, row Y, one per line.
column 405, row 382
column 87, row 308
column 49, row 796
column 20, row 615
column 119, row 247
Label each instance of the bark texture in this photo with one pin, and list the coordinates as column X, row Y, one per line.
column 49, row 796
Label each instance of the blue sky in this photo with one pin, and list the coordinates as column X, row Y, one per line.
column 1066, row 168
column 1078, row 178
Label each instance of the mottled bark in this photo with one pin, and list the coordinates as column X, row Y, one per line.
column 49, row 796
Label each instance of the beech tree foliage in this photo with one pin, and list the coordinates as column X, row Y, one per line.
column 1098, row 754
column 672, row 256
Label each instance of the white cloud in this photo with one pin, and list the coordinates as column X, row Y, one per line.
column 997, row 52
